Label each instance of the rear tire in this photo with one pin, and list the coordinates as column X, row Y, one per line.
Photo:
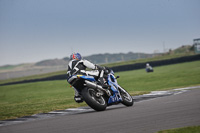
column 98, row 103
column 126, row 97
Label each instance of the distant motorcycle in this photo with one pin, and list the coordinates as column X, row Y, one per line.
column 96, row 96
column 149, row 68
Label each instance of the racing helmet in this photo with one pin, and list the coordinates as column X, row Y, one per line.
column 75, row 56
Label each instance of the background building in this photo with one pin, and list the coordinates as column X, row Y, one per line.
column 197, row 45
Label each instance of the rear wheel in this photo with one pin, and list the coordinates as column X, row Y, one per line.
column 126, row 97
column 95, row 101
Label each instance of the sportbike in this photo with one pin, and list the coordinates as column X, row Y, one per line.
column 98, row 97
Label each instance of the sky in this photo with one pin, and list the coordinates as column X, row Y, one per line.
column 35, row 30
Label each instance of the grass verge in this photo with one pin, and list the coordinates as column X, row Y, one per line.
column 193, row 129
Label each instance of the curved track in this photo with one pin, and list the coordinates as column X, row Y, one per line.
column 147, row 116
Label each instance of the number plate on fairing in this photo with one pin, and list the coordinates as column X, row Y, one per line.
column 115, row 98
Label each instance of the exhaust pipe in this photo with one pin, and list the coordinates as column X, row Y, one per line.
column 95, row 86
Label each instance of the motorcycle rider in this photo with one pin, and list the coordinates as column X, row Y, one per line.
column 149, row 68
column 77, row 65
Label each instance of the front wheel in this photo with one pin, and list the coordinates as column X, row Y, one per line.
column 98, row 103
column 126, row 97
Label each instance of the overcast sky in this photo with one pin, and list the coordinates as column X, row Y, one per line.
column 34, row 30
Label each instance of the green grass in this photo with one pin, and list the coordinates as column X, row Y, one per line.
column 163, row 78
column 40, row 97
column 193, row 129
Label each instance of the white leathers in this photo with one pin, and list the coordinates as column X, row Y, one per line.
column 85, row 63
column 79, row 66
column 88, row 64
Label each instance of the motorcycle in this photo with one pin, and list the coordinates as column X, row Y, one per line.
column 98, row 97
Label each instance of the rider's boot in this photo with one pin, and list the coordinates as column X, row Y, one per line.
column 78, row 98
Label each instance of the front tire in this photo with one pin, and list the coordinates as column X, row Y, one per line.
column 98, row 103
column 126, row 97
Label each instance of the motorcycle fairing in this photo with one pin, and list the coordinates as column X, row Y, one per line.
column 114, row 87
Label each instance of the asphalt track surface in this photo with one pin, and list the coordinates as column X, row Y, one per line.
column 146, row 116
